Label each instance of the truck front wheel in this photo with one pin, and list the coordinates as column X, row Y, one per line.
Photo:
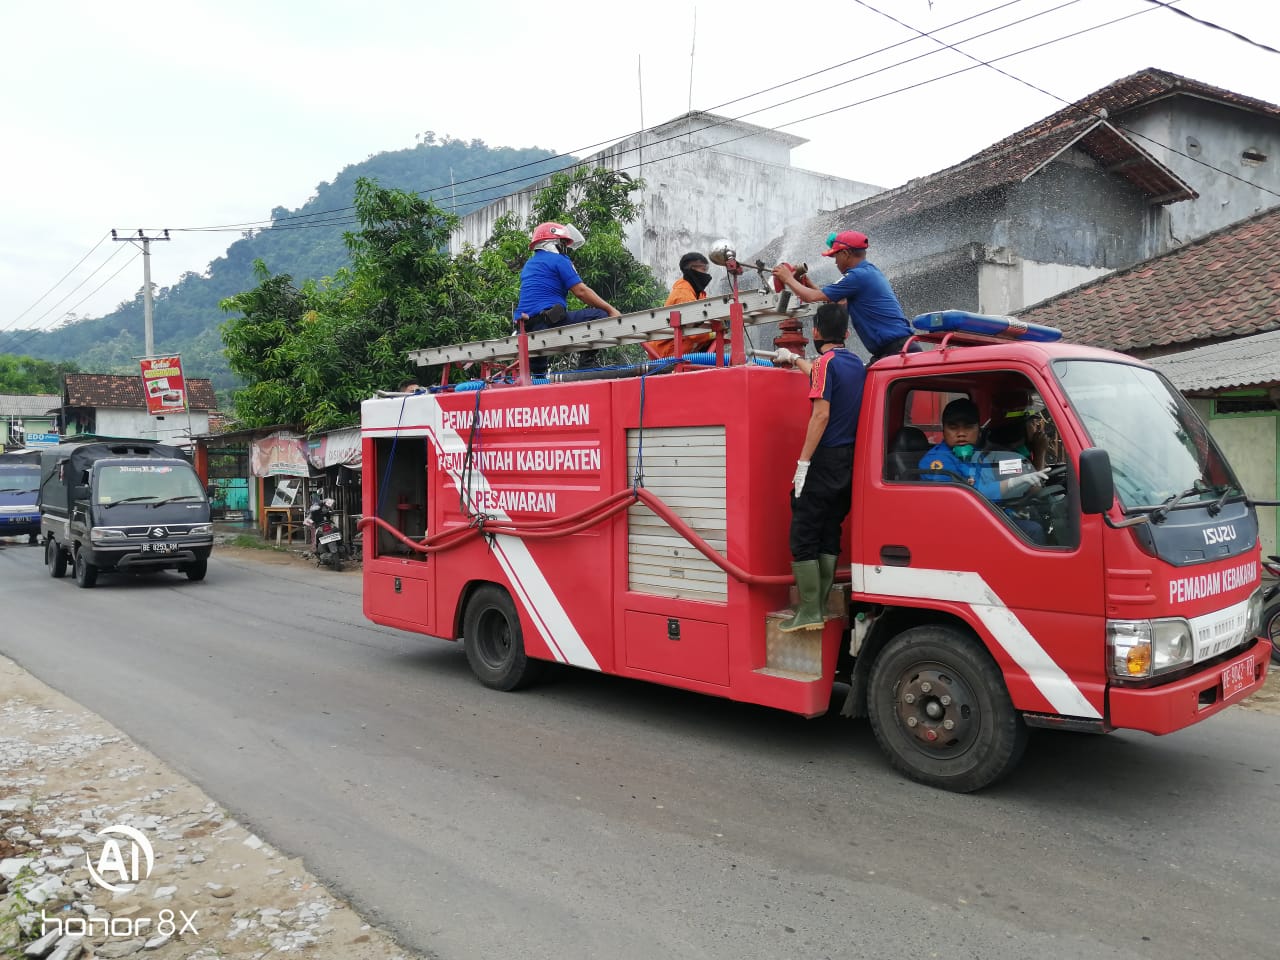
column 494, row 641
column 941, row 712
column 55, row 559
column 86, row 572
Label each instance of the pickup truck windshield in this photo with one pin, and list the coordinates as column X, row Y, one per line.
column 1161, row 452
column 155, row 482
column 18, row 479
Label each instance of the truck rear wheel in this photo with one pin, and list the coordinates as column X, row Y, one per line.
column 55, row 559
column 86, row 572
column 494, row 641
column 941, row 712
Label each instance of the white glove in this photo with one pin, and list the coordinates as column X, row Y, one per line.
column 802, row 471
column 784, row 356
column 1016, row 486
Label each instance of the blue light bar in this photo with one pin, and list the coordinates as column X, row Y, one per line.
column 962, row 321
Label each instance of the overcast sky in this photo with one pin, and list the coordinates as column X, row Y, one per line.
column 177, row 114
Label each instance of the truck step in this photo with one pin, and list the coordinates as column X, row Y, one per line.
column 788, row 674
column 799, row 652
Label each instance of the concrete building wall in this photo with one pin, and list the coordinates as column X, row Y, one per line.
column 138, row 425
column 1217, row 135
column 702, row 185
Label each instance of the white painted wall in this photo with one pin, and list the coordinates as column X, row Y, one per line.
column 701, row 185
column 138, row 425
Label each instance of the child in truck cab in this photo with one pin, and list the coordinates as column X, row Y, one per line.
column 957, row 460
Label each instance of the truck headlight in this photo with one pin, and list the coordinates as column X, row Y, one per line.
column 98, row 534
column 1140, row 649
column 201, row 531
column 1254, row 614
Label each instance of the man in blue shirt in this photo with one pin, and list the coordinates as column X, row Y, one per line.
column 876, row 315
column 545, row 283
column 822, row 489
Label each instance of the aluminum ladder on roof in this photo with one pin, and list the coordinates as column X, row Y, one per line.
column 758, row 306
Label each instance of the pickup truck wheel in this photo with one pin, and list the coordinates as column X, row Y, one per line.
column 86, row 572
column 495, row 643
column 196, row 569
column 55, row 559
column 940, row 710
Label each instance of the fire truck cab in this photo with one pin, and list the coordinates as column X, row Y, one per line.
column 637, row 525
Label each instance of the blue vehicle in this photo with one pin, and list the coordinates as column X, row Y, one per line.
column 19, row 487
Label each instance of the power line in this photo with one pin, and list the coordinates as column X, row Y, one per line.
column 78, row 286
column 15, row 320
column 34, row 332
column 748, row 96
column 347, row 219
column 1214, row 26
column 1055, row 96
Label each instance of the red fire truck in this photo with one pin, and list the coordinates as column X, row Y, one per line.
column 637, row 525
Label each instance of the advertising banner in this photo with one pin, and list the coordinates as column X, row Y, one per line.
column 163, row 385
column 334, row 449
column 279, row 455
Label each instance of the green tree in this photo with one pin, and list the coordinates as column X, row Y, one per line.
column 310, row 354
column 28, row 376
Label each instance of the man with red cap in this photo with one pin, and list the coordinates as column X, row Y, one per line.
column 874, row 311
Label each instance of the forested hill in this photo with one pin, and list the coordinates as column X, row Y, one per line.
column 187, row 314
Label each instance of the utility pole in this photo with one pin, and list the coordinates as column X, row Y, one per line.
column 145, row 241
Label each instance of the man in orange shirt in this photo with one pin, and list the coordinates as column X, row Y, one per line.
column 695, row 274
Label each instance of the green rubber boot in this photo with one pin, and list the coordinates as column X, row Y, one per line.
column 827, row 569
column 808, row 615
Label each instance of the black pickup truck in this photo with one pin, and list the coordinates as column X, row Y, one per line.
column 122, row 506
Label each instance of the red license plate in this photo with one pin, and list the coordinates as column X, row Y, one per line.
column 1236, row 677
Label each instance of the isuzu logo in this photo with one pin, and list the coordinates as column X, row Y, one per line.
column 162, row 532
column 1219, row 534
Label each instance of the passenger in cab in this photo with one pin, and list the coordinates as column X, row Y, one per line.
column 822, row 488
column 996, row 476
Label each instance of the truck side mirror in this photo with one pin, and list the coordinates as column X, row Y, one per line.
column 80, row 491
column 1097, row 486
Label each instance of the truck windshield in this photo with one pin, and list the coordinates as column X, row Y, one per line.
column 18, row 479
column 1161, row 452
column 146, row 482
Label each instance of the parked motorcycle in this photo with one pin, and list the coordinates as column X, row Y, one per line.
column 330, row 549
column 1271, row 608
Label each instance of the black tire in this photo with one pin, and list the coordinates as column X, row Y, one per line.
column 495, row 643
column 1271, row 629
column 55, row 559
column 33, row 538
column 196, row 570
column 86, row 572
column 930, row 676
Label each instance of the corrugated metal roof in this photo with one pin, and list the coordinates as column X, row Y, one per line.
column 1246, row 362
column 33, row 405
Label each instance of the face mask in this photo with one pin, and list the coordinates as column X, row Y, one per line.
column 964, row 451
column 697, row 279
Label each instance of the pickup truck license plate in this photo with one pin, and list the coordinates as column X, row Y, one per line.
column 330, row 537
column 1236, row 677
column 159, row 547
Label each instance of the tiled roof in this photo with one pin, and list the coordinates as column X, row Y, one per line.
column 125, row 392
column 1246, row 362
column 1020, row 155
column 35, row 405
column 1226, row 284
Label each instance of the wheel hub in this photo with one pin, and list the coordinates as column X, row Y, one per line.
column 936, row 709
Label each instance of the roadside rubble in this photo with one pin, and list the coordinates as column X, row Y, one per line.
column 71, row 790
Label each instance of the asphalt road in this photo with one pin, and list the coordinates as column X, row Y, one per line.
column 596, row 817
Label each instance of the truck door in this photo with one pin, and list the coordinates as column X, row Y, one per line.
column 971, row 532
